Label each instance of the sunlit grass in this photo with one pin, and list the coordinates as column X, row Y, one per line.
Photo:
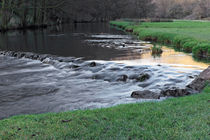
column 188, row 36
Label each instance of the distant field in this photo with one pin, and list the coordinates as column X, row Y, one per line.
column 188, row 36
column 197, row 30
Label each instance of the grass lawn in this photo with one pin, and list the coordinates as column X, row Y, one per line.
column 188, row 36
column 177, row 118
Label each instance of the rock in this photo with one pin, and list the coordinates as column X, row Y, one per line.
column 200, row 82
column 74, row 66
column 146, row 94
column 176, row 92
column 195, row 87
column 191, row 77
column 92, row 64
column 143, row 77
column 123, row 78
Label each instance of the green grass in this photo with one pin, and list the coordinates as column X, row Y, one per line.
column 186, row 118
column 188, row 36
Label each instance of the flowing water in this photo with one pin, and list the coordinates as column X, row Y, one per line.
column 83, row 66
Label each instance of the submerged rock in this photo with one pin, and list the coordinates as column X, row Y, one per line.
column 146, row 94
column 143, row 77
column 74, row 66
column 123, row 78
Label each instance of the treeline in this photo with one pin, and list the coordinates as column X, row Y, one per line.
column 22, row 13
column 182, row 9
column 100, row 10
column 104, row 10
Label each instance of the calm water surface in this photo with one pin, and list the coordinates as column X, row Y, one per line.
column 67, row 40
column 67, row 81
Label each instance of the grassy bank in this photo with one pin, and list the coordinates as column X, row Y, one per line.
column 177, row 118
column 187, row 36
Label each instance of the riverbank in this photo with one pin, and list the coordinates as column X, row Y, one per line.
column 176, row 118
column 188, row 36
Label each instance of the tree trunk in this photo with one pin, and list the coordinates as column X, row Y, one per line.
column 35, row 12
column 4, row 17
column 44, row 9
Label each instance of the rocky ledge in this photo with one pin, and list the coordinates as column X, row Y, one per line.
column 195, row 86
column 145, row 95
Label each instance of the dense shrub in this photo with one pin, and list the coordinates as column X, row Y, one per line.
column 202, row 50
column 188, row 46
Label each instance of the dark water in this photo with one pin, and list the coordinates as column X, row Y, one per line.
column 38, row 83
column 67, row 40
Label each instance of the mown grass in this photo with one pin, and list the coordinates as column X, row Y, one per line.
column 188, row 36
column 177, row 118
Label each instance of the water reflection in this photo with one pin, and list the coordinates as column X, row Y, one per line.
column 93, row 42
column 168, row 57
column 65, row 40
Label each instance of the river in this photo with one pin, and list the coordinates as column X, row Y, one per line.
column 83, row 66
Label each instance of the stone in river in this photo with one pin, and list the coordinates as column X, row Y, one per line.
column 92, row 64
column 146, row 94
column 123, row 78
column 143, row 77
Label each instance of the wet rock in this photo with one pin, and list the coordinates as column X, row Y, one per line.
column 146, row 94
column 123, row 78
column 198, row 84
column 47, row 61
column 176, row 92
column 74, row 66
column 191, row 77
column 129, row 67
column 92, row 64
column 201, row 81
column 115, row 69
column 143, row 77
column 195, row 87
column 42, row 57
column 20, row 55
